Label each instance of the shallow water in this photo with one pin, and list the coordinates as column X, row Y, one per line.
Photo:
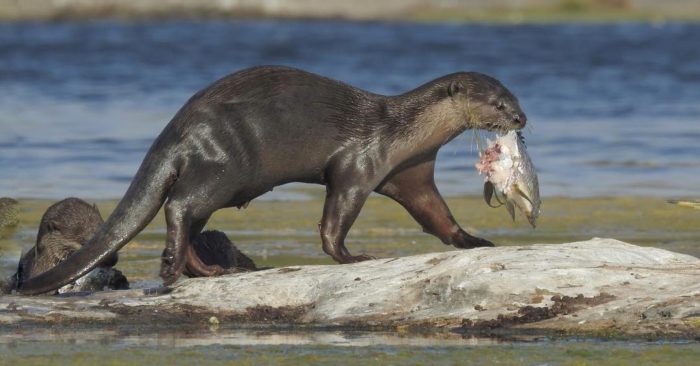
column 295, row 347
column 613, row 109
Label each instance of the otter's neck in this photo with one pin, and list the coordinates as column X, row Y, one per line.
column 425, row 118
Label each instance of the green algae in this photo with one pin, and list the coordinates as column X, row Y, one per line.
column 593, row 11
column 461, row 11
column 282, row 233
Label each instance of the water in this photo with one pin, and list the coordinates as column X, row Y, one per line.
column 77, row 345
column 613, row 109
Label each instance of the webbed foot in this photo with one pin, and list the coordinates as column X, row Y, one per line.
column 465, row 241
column 353, row 258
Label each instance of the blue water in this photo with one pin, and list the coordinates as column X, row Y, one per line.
column 613, row 109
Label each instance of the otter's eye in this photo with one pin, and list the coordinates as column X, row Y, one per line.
column 500, row 106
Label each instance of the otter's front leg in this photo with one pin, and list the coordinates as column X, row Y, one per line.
column 414, row 188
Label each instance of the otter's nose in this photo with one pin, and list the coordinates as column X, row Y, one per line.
column 520, row 119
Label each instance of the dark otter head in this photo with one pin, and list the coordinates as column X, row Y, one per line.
column 485, row 102
column 73, row 218
column 64, row 228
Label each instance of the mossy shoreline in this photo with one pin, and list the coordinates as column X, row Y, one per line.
column 282, row 233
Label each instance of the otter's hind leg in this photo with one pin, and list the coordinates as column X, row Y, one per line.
column 183, row 218
column 193, row 199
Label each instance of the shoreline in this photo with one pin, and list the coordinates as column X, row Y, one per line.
column 422, row 11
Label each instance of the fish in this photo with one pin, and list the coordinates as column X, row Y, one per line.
column 510, row 176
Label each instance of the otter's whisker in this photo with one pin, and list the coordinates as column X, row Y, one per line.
column 478, row 139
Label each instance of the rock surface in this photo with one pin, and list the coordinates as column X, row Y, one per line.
column 600, row 286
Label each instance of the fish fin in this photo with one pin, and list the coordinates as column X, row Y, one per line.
column 511, row 209
column 489, row 193
column 531, row 220
column 500, row 199
column 519, row 191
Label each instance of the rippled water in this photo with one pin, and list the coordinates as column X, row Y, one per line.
column 613, row 109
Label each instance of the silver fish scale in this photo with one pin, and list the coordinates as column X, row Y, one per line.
column 511, row 174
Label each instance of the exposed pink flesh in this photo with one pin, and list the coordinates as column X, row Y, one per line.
column 487, row 158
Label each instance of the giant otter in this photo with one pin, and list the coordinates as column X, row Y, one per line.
column 266, row 126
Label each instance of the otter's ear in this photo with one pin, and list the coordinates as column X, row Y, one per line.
column 455, row 88
column 52, row 226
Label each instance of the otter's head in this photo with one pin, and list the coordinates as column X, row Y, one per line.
column 73, row 218
column 485, row 103
column 51, row 250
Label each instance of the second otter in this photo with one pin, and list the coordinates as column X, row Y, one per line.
column 65, row 227
column 68, row 224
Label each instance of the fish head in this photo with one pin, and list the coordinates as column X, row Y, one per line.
column 488, row 104
column 527, row 198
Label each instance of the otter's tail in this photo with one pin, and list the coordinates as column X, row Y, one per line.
column 140, row 204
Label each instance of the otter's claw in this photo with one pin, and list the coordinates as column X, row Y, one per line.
column 466, row 241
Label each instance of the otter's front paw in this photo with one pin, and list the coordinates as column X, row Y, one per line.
column 465, row 241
